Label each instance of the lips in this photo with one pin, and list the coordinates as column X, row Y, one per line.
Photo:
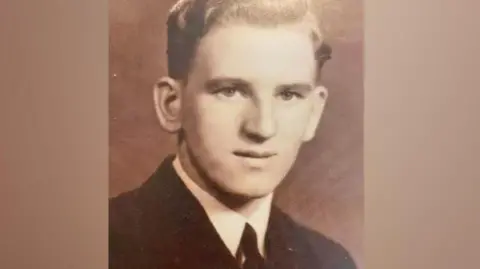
column 254, row 154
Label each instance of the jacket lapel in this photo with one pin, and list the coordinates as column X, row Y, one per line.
column 178, row 232
column 281, row 243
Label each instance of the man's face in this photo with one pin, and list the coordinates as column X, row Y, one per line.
column 249, row 105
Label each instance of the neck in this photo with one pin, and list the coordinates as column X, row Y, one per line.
column 241, row 204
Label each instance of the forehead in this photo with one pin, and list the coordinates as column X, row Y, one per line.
column 283, row 54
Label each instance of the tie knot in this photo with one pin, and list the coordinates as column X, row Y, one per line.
column 248, row 243
column 249, row 249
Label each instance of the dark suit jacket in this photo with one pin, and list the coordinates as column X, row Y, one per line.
column 161, row 225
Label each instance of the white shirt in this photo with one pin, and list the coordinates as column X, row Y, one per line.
column 228, row 223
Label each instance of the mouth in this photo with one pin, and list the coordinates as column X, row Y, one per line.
column 254, row 154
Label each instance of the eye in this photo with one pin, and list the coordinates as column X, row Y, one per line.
column 289, row 95
column 228, row 92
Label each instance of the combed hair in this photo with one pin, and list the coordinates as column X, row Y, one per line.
column 190, row 20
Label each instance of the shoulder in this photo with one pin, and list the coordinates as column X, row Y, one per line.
column 124, row 215
column 319, row 247
column 334, row 255
column 127, row 215
column 143, row 221
column 123, row 238
column 128, row 209
column 122, row 209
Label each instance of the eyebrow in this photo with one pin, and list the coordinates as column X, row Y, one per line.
column 223, row 81
column 301, row 87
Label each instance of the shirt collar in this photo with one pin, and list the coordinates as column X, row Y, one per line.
column 228, row 223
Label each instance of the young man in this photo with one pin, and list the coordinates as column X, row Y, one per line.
column 243, row 95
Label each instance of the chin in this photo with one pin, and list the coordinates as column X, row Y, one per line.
column 246, row 184
column 255, row 193
column 249, row 192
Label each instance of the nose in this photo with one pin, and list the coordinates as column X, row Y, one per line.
column 260, row 123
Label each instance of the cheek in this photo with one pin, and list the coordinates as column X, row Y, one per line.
column 293, row 122
column 217, row 121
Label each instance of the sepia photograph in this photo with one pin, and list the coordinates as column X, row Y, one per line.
column 239, row 134
column 236, row 134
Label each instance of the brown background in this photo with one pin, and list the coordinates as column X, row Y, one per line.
column 325, row 188
column 421, row 149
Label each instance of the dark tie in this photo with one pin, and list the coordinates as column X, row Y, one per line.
column 249, row 248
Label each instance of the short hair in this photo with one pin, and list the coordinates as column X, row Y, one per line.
column 190, row 20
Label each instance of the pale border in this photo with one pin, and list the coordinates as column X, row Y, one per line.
column 421, row 143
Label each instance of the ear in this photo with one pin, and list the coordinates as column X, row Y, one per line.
column 167, row 99
column 320, row 98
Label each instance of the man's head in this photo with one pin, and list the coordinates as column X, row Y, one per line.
column 243, row 89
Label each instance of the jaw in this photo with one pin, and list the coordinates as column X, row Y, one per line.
column 238, row 199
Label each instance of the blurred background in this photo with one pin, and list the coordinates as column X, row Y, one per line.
column 324, row 191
